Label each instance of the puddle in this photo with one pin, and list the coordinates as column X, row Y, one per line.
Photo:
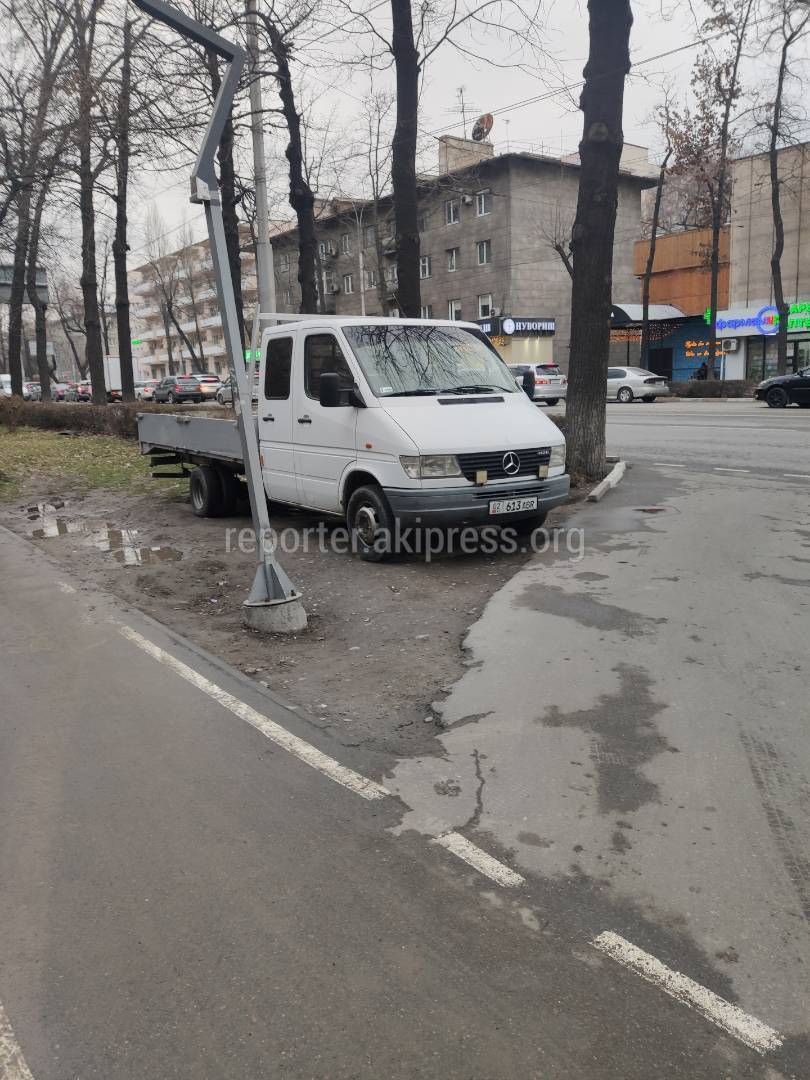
column 651, row 509
column 121, row 544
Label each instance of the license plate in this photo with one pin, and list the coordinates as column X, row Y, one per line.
column 207, row 389
column 512, row 506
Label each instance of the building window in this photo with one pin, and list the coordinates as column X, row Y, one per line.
column 485, row 306
column 483, row 203
column 425, row 266
column 371, row 279
column 288, row 296
column 454, row 310
column 393, row 313
column 391, row 275
column 426, row 311
column 368, row 236
column 452, row 260
column 452, row 212
column 348, row 283
column 484, row 252
column 423, row 221
column 345, row 243
column 284, row 261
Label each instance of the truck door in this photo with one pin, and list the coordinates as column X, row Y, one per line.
column 325, row 438
column 276, row 421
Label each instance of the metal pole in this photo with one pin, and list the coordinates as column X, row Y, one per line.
column 273, row 603
column 359, row 220
column 266, row 290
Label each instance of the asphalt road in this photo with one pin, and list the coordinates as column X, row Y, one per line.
column 187, row 891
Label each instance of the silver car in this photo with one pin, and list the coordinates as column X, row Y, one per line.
column 550, row 385
column 625, row 384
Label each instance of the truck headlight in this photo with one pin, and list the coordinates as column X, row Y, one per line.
column 430, row 466
column 557, row 456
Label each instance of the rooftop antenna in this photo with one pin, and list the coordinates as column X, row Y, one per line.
column 273, row 604
column 463, row 110
column 507, row 122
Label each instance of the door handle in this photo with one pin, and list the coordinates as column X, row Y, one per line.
column 304, row 419
column 268, row 416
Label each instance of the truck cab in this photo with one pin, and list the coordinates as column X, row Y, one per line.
column 396, row 420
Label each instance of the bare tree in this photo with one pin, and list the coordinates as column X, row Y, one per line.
column 168, row 275
column 600, row 150
column 703, row 137
column 793, row 19
column 664, row 119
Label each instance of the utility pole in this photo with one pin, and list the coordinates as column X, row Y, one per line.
column 274, row 605
column 266, row 280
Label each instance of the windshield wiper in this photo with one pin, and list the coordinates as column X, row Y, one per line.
column 473, row 388
column 422, row 390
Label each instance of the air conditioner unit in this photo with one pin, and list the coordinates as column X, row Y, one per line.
column 467, row 200
column 730, row 344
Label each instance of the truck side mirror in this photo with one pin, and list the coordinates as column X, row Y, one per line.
column 528, row 382
column 329, row 391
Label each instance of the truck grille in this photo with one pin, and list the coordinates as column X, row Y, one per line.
column 529, row 461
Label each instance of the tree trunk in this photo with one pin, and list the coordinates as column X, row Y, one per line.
column 183, row 336
column 566, row 259
column 227, row 192
column 403, row 160
column 776, row 211
column 164, row 310
column 600, row 151
column 40, row 327
column 302, row 198
column 648, row 269
column 714, row 280
column 120, row 245
column 17, row 298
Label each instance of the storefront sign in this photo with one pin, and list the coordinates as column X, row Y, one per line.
column 512, row 326
column 764, row 322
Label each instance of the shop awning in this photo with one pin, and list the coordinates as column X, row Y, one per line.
column 628, row 314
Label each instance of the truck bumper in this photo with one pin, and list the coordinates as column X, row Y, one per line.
column 470, row 505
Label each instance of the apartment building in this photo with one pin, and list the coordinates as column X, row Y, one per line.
column 487, row 225
column 187, row 278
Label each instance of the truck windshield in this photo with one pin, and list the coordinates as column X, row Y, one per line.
column 409, row 360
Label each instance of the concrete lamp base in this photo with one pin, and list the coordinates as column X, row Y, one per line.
column 275, row 616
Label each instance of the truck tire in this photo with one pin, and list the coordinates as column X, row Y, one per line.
column 230, row 491
column 371, row 524
column 205, row 489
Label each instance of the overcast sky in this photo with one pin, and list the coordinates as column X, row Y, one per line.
column 553, row 125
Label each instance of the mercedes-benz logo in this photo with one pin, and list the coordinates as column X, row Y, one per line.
column 511, row 463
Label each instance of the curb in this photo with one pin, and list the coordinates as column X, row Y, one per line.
column 611, row 480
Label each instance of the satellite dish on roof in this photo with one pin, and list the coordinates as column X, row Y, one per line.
column 483, row 126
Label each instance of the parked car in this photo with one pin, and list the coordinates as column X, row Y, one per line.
column 5, row 385
column 625, row 384
column 176, row 389
column 784, row 390
column 549, row 382
column 82, row 391
column 147, row 390
column 59, row 390
column 225, row 391
column 209, row 385
column 32, row 391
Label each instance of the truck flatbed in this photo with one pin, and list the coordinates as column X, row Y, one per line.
column 199, row 440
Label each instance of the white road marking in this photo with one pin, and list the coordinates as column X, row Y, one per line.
column 719, row 468
column 668, row 465
column 797, row 475
column 748, row 1029
column 479, row 860
column 304, row 751
column 12, row 1062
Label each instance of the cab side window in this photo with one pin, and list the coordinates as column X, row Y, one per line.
column 322, row 353
column 277, row 368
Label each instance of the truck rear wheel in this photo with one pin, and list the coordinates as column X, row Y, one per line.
column 371, row 524
column 205, row 489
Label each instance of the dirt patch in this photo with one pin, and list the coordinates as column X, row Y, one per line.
column 383, row 640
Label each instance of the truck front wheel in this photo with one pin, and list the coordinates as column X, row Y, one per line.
column 205, row 489
column 371, row 524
